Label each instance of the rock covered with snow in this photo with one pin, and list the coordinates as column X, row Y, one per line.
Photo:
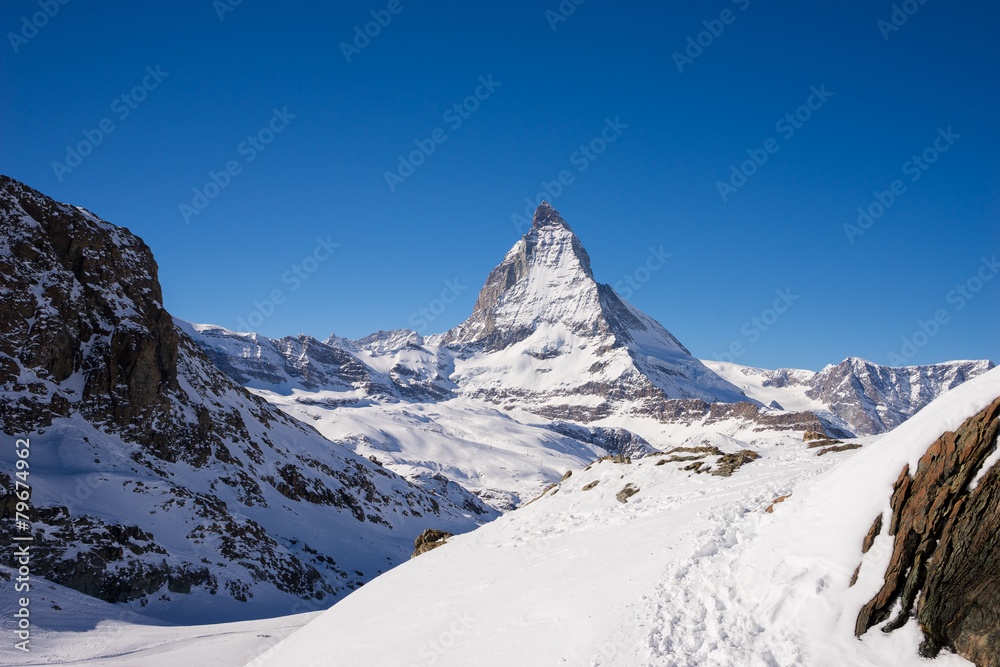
column 542, row 303
column 876, row 399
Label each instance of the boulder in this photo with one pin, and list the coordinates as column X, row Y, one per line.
column 428, row 540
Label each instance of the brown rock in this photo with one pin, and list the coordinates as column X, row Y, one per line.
column 946, row 555
column 730, row 463
column 627, row 493
column 837, row 448
column 779, row 499
column 873, row 533
column 428, row 540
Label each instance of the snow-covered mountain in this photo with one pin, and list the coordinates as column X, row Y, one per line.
column 559, row 363
column 555, row 334
column 157, row 481
column 856, row 394
column 650, row 563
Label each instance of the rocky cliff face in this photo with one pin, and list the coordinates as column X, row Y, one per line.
column 945, row 565
column 83, row 325
column 158, row 480
column 855, row 395
column 875, row 399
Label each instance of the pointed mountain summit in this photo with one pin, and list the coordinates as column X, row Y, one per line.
column 546, row 338
column 546, row 216
column 544, row 279
column 543, row 302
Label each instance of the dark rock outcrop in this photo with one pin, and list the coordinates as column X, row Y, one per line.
column 945, row 564
column 730, row 463
column 428, row 540
column 614, row 440
column 627, row 493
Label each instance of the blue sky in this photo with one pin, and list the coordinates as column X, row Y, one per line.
column 273, row 84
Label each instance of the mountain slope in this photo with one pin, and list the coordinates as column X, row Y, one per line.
column 650, row 564
column 157, row 481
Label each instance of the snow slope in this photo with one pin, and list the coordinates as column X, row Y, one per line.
column 70, row 628
column 158, row 482
column 690, row 571
column 501, row 460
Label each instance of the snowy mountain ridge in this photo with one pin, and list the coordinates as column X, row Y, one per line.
column 550, row 348
column 863, row 396
column 194, row 473
column 157, row 481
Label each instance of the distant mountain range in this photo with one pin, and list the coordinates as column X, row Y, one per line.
column 545, row 337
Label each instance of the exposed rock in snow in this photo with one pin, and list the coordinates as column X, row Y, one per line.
column 946, row 545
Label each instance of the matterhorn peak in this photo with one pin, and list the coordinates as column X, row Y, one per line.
column 546, row 216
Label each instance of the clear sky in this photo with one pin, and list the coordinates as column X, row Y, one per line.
column 308, row 129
